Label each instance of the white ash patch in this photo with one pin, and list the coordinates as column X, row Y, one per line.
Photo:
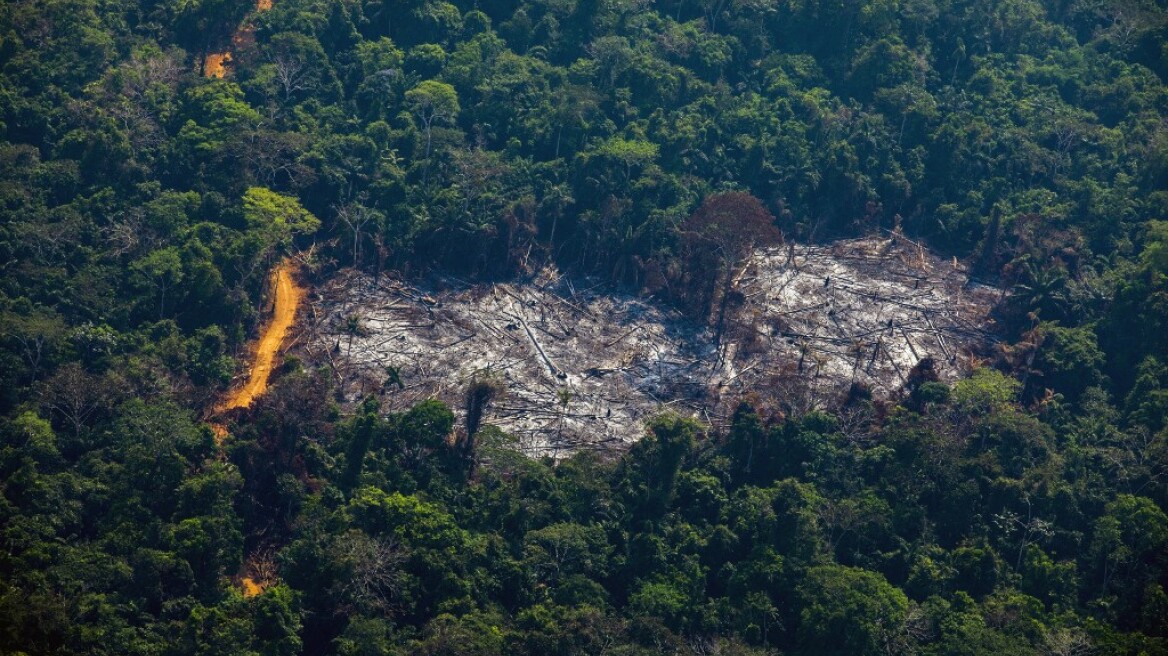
column 584, row 368
column 864, row 310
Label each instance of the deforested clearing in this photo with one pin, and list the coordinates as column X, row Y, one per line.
column 583, row 366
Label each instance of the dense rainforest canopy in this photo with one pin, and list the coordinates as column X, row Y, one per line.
column 148, row 184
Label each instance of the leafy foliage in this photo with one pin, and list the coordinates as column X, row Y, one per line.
column 1019, row 511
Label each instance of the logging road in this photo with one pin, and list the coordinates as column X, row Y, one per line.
column 288, row 297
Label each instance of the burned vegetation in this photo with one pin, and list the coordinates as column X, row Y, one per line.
column 565, row 364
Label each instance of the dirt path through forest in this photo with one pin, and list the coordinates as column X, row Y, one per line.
column 288, row 296
column 218, row 64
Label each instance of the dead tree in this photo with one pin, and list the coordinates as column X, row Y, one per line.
column 356, row 216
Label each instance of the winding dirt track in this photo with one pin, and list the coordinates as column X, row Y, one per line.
column 288, row 298
column 287, row 301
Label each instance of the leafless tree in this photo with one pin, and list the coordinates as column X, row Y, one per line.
column 262, row 568
column 132, row 89
column 356, row 216
column 272, row 155
column 74, row 395
column 48, row 238
column 1031, row 529
column 1067, row 642
column 126, row 234
column 292, row 74
column 374, row 571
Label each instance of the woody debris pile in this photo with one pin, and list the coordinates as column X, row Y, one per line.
column 582, row 367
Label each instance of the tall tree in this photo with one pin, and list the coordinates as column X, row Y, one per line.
column 717, row 238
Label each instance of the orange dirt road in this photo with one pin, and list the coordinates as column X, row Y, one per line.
column 288, row 297
column 215, row 64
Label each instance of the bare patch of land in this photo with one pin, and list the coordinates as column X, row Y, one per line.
column 583, row 367
column 287, row 296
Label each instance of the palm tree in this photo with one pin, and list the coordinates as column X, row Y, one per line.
column 1044, row 291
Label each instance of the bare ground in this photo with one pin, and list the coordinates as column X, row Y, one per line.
column 583, row 367
column 287, row 297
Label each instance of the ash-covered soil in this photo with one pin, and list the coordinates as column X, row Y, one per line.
column 583, row 367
